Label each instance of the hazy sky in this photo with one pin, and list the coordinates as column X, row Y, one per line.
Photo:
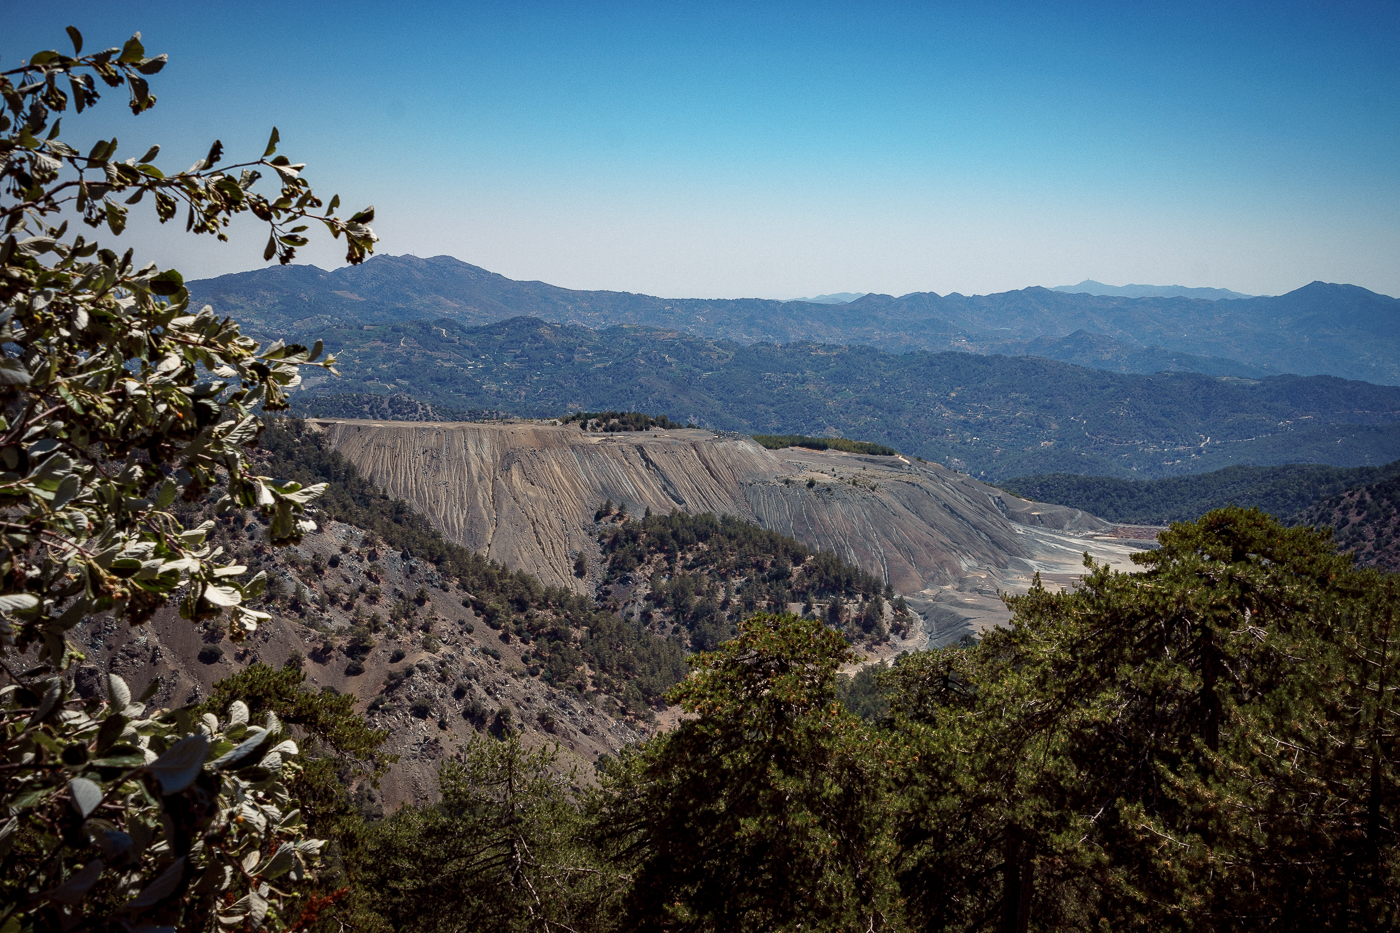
column 777, row 150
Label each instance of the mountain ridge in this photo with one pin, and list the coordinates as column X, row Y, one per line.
column 1321, row 328
column 1091, row 287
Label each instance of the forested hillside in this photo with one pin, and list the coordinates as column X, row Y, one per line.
column 1283, row 491
column 993, row 415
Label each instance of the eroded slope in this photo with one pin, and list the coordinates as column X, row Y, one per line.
column 526, row 493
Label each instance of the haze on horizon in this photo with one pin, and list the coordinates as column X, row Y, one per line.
column 776, row 150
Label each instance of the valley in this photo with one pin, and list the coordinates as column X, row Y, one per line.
column 993, row 416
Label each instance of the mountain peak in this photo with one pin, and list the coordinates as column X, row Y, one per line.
column 1090, row 287
column 835, row 298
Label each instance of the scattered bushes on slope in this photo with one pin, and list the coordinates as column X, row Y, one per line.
column 1364, row 521
column 566, row 631
column 395, row 407
column 704, row 574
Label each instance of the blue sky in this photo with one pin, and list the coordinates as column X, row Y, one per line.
column 778, row 150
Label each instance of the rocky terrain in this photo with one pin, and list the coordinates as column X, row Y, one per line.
column 434, row 675
column 526, row 493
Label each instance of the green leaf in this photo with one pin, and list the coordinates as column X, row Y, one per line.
column 167, row 283
column 118, row 693
column 279, row 864
column 7, row 835
column 151, row 153
column 116, row 217
column 247, row 751
column 161, row 888
column 67, row 489
column 13, row 373
column 180, row 764
column 86, row 796
column 16, row 602
column 222, row 596
column 133, row 51
column 272, row 142
column 143, row 99
column 72, row 891
column 153, row 65
column 271, row 249
column 102, row 150
column 166, row 496
column 77, row 38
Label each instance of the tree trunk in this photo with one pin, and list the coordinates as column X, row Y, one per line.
column 1018, row 879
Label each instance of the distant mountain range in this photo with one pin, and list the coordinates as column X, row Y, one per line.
column 1090, row 287
column 1322, row 328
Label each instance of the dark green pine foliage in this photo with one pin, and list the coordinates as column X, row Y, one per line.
column 1207, row 745
column 768, row 807
column 504, row 849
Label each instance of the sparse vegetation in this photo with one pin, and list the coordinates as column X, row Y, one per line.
column 703, row 574
column 779, row 441
column 611, row 421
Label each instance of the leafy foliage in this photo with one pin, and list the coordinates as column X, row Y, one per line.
column 115, row 401
column 123, row 817
column 779, row 441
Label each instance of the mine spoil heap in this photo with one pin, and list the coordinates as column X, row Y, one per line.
column 525, row 493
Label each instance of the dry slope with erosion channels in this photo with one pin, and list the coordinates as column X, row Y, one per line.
column 526, row 493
